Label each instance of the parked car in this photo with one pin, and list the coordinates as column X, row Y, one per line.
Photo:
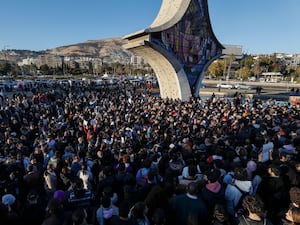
column 242, row 86
column 225, row 85
column 252, row 79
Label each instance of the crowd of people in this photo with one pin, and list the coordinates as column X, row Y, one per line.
column 79, row 155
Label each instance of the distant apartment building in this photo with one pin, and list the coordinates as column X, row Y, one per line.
column 295, row 60
column 27, row 61
column 50, row 60
column 137, row 61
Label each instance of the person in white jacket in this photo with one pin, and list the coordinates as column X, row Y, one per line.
column 86, row 176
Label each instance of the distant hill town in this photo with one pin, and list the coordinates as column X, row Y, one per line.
column 108, row 56
column 104, row 50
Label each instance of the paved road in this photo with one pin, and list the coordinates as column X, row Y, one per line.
column 276, row 90
column 280, row 86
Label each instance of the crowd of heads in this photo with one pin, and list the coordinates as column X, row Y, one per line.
column 73, row 142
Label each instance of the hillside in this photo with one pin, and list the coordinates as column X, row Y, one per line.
column 93, row 47
column 109, row 49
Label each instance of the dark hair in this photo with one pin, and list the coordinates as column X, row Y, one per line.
column 192, row 188
column 78, row 216
column 275, row 169
column 54, row 206
column 295, row 211
column 108, row 191
column 121, row 166
column 159, row 217
column 294, row 193
column 106, row 201
column 192, row 170
column 254, row 204
column 146, row 163
column 213, row 175
column 240, row 173
column 77, row 186
column 138, row 210
column 220, row 213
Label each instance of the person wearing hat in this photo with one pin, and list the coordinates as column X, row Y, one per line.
column 13, row 216
column 8, row 200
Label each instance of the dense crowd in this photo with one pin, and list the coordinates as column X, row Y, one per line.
column 78, row 155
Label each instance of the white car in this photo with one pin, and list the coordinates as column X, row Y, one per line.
column 224, row 85
column 242, row 86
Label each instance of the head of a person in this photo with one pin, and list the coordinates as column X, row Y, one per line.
column 192, row 188
column 8, row 200
column 60, row 195
column 32, row 197
column 294, row 193
column 220, row 213
column 139, row 210
column 293, row 215
column 251, row 166
column 240, row 173
column 159, row 217
column 213, row 175
column 78, row 216
column 253, row 204
column 274, row 170
column 54, row 206
column 106, row 201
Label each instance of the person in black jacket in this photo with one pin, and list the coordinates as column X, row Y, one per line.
column 188, row 205
column 273, row 193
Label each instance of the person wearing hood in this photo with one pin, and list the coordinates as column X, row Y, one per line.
column 213, row 192
column 237, row 185
column 253, row 175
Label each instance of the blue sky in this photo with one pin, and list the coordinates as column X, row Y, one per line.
column 260, row 26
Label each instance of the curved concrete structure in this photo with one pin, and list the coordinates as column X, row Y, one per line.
column 179, row 45
column 169, row 14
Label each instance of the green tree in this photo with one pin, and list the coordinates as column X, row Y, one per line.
column 216, row 68
column 45, row 69
column 247, row 62
column 244, row 72
column 5, row 68
column 297, row 72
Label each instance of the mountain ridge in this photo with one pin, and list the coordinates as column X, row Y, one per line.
column 108, row 49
